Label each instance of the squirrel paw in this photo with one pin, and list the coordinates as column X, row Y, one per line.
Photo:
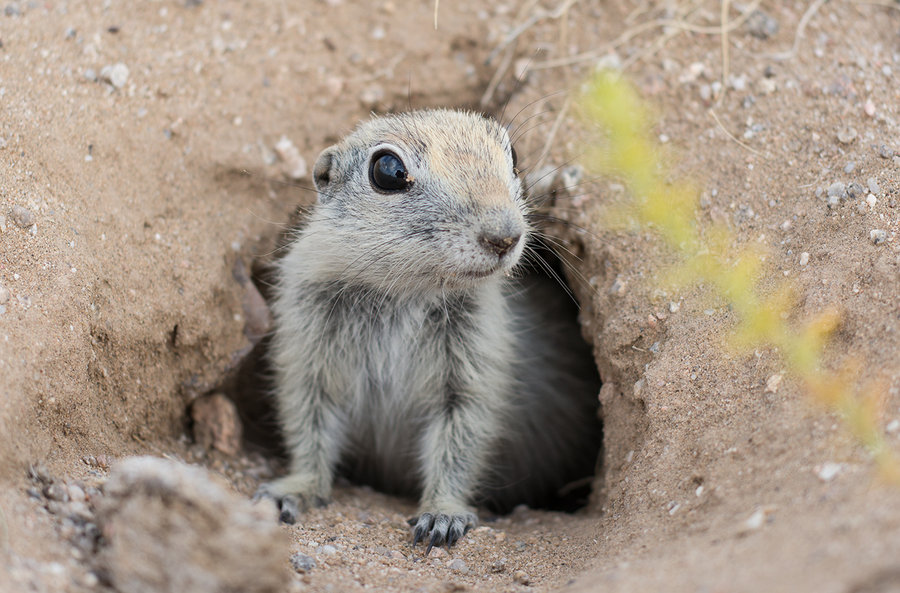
column 290, row 505
column 441, row 528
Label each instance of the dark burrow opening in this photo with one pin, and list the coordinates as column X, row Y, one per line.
column 540, row 274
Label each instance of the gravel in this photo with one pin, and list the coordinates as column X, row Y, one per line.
column 885, row 151
column 846, row 135
column 294, row 163
column 115, row 74
column 57, row 492
column 838, row 190
column 877, row 236
column 829, row 471
column 873, row 186
column 855, row 190
column 458, row 566
column 21, row 216
column 761, row 25
column 302, row 563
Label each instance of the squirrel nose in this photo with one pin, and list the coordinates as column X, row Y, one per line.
column 500, row 244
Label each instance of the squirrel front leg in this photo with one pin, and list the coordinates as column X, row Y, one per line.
column 315, row 432
column 454, row 449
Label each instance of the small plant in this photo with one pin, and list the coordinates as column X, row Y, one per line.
column 706, row 256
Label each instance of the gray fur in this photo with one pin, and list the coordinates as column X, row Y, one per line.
column 401, row 351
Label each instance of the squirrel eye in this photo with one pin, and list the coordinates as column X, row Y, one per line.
column 388, row 172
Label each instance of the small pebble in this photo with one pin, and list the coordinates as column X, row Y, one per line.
column 302, row 563
column 12, row 9
column 755, row 521
column 294, row 163
column 521, row 577
column 458, row 566
column 804, row 258
column 773, row 383
column 571, row 176
column 76, row 493
column 855, row 190
column 499, row 565
column 22, row 216
column 372, row 95
column 216, row 423
column 761, row 25
column 766, row 86
column 4, row 295
column 872, row 183
column 871, row 200
column 828, row 471
column 328, row 550
column 885, row 151
column 893, row 426
column 90, row 580
column 877, row 236
column 846, row 135
column 90, row 75
column 837, row 190
column 56, row 492
column 115, row 74
column 692, row 72
column 849, row 167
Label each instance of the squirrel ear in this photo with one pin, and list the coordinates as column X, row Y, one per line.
column 324, row 170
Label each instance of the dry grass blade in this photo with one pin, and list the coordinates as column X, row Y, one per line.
column 801, row 29
column 536, row 17
column 548, row 143
column 629, row 34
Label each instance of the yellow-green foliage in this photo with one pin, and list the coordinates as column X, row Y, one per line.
column 707, row 256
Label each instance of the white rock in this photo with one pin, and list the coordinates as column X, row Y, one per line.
column 115, row 74
column 829, row 470
column 756, row 520
column 294, row 163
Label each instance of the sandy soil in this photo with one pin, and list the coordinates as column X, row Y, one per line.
column 126, row 206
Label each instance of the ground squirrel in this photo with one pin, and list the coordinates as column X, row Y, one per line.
column 405, row 352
